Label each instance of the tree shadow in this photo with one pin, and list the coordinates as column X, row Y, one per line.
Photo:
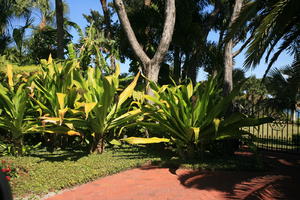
column 280, row 181
column 59, row 156
column 129, row 152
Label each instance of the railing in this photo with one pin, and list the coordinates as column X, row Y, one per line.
column 283, row 134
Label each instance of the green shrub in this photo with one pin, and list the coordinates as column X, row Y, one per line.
column 192, row 118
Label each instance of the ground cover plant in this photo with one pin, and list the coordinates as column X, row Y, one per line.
column 44, row 172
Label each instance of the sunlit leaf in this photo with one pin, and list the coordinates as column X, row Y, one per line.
column 128, row 91
column 138, row 140
column 10, row 75
column 196, row 133
column 88, row 107
column 61, row 100
column 49, row 59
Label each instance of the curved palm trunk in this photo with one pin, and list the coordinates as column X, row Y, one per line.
column 59, row 9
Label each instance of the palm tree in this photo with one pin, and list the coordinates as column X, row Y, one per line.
column 59, row 8
column 275, row 23
column 284, row 86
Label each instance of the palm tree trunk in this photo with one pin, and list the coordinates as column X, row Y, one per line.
column 108, row 30
column 59, row 9
column 228, row 55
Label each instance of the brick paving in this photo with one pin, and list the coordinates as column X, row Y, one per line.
column 153, row 183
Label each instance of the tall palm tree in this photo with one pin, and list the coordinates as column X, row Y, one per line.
column 59, row 8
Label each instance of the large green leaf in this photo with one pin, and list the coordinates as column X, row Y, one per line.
column 138, row 140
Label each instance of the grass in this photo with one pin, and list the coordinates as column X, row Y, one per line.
column 277, row 136
column 44, row 172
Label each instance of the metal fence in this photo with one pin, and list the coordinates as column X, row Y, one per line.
column 283, row 134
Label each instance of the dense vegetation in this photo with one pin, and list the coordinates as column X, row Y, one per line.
column 59, row 96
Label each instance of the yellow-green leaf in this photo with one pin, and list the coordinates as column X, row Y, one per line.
column 61, row 113
column 189, row 89
column 117, row 72
column 196, row 133
column 115, row 142
column 128, row 91
column 50, row 59
column 216, row 124
column 79, row 104
column 71, row 132
column 88, row 107
column 138, row 140
column 53, row 120
column 69, row 125
column 10, row 75
column 61, row 100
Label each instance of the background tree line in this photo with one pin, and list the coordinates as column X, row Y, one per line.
column 258, row 27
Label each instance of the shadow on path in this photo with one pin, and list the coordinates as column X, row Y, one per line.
column 280, row 181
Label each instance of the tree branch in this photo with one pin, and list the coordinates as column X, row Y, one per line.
column 170, row 13
column 138, row 50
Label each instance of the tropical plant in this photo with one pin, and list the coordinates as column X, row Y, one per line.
column 14, row 110
column 193, row 117
column 284, row 87
column 275, row 25
column 54, row 93
column 101, row 108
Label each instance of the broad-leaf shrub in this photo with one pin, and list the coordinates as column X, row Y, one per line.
column 15, row 117
column 192, row 117
column 100, row 110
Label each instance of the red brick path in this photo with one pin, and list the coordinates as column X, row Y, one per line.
column 151, row 183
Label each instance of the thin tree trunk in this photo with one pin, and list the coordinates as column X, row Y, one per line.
column 177, row 65
column 211, row 19
column 151, row 67
column 192, row 71
column 108, row 30
column 59, row 9
column 98, row 145
column 228, row 55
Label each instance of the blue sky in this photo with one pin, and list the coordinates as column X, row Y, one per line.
column 79, row 7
